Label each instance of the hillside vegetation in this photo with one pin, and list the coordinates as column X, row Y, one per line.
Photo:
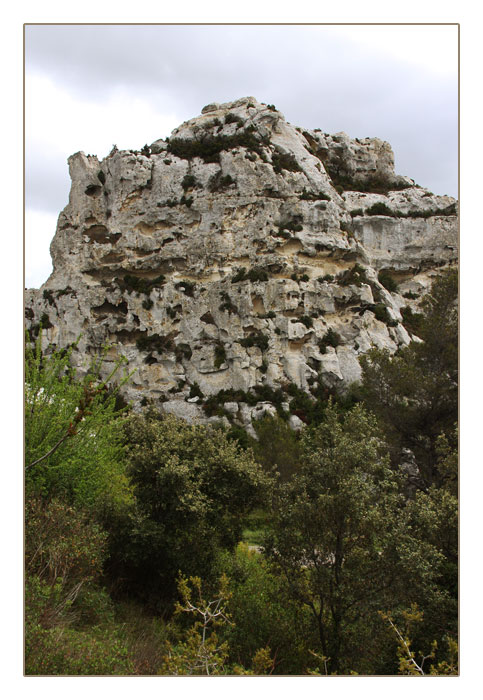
column 155, row 546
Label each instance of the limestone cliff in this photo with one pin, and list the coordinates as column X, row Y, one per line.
column 240, row 252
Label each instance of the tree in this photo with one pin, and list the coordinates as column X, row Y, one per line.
column 414, row 393
column 68, row 616
column 73, row 437
column 193, row 487
column 277, row 447
column 263, row 615
column 433, row 518
column 341, row 539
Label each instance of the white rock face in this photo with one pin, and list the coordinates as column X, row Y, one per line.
column 223, row 257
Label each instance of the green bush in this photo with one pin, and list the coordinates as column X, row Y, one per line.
column 48, row 295
column 412, row 320
column 195, row 391
column 193, row 488
column 140, row 285
column 387, row 281
column 260, row 392
column 209, row 147
column 156, row 342
column 62, row 543
column 255, row 339
column 344, row 516
column 72, row 652
column 64, row 553
column 380, row 209
column 281, row 234
column 278, row 446
column 381, row 313
column 232, row 118
column 187, row 201
column 307, row 321
column 331, row 338
column 227, row 304
column 310, row 409
column 73, row 441
column 355, row 275
column 66, row 290
column 264, row 392
column 314, row 196
column 189, row 181
column 68, row 618
column 415, row 391
column 219, row 182
column 220, row 355
column 263, row 616
column 428, row 213
column 285, row 161
column 240, row 435
column 375, row 184
column 239, row 276
column 255, row 274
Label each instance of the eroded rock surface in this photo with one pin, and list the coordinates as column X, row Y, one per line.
column 242, row 252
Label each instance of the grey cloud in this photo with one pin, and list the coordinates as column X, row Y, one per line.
column 316, row 78
column 47, row 180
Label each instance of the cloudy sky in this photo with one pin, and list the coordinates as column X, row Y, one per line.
column 89, row 87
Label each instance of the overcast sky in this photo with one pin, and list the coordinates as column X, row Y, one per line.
column 88, row 87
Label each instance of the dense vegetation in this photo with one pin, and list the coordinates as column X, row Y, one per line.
column 158, row 547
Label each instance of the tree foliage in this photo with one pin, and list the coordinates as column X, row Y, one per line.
column 263, row 616
column 193, row 487
column 73, row 439
column 414, row 393
column 340, row 537
column 277, row 448
column 68, row 616
column 124, row 512
column 62, row 543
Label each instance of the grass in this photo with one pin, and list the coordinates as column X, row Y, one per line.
column 255, row 528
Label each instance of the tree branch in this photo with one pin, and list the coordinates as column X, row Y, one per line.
column 50, row 452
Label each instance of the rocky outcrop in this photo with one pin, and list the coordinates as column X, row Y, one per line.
column 240, row 254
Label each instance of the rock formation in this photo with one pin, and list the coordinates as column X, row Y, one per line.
column 241, row 252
